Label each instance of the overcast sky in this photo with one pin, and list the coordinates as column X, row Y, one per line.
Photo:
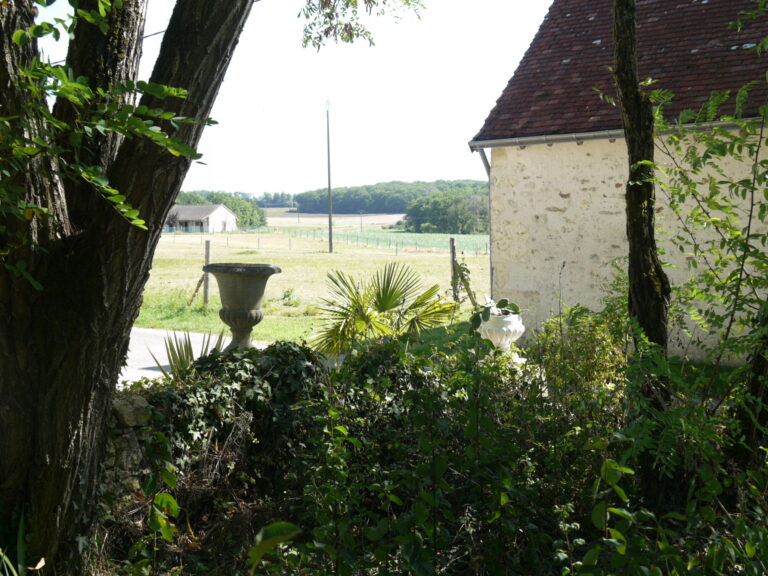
column 403, row 109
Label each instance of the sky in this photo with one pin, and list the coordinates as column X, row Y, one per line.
column 403, row 109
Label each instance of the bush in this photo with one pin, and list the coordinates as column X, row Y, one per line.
column 450, row 462
column 221, row 441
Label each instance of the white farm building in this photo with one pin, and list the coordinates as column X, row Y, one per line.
column 206, row 218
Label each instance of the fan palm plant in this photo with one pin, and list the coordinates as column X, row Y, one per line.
column 391, row 304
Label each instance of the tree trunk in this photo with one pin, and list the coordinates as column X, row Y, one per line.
column 62, row 348
column 648, row 284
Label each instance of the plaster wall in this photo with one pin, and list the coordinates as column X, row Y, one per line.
column 557, row 222
column 221, row 220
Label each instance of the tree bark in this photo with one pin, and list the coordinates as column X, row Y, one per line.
column 648, row 284
column 649, row 288
column 61, row 349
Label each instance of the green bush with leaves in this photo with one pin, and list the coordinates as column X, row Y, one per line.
column 220, row 442
column 450, row 462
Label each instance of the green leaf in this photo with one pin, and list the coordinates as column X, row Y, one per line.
column 167, row 504
column 598, row 515
column 708, row 513
column 355, row 442
column 620, row 493
column 619, row 540
column 395, row 499
column 611, row 472
column 628, row 516
column 591, row 557
column 20, row 37
column 169, row 476
column 750, row 549
column 269, row 538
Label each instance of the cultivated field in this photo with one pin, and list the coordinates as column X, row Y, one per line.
column 294, row 298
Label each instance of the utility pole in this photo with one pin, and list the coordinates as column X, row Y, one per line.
column 330, row 195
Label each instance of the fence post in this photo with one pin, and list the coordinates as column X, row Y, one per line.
column 454, row 270
column 205, row 274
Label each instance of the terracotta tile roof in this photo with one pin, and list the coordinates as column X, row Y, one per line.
column 686, row 45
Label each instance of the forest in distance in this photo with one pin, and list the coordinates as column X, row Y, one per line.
column 442, row 206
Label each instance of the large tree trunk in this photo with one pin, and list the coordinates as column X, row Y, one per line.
column 62, row 348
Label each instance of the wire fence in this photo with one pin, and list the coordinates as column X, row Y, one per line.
column 476, row 244
column 469, row 243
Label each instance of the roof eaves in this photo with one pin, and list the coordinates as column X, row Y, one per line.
column 475, row 145
column 546, row 139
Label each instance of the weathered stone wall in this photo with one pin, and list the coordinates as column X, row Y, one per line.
column 128, row 438
column 558, row 220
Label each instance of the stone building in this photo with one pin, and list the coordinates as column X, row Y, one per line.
column 555, row 152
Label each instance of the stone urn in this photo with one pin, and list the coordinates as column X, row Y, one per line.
column 241, row 287
column 502, row 329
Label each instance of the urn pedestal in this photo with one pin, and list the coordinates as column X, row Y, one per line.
column 241, row 288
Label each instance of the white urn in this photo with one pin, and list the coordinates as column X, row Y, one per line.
column 502, row 329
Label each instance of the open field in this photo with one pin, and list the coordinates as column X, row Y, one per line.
column 282, row 218
column 293, row 298
column 368, row 230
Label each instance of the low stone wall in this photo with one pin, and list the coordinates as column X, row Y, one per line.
column 129, row 434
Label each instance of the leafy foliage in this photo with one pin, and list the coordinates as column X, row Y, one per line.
column 275, row 199
column 462, row 211
column 459, row 461
column 339, row 20
column 443, row 465
column 38, row 136
column 716, row 185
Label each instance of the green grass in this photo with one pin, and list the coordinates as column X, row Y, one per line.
column 293, row 298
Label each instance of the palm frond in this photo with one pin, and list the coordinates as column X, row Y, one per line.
column 393, row 286
column 431, row 314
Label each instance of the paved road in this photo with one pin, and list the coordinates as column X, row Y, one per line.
column 147, row 341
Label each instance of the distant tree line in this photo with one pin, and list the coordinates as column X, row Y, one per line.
column 249, row 213
column 275, row 200
column 382, row 198
column 459, row 211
